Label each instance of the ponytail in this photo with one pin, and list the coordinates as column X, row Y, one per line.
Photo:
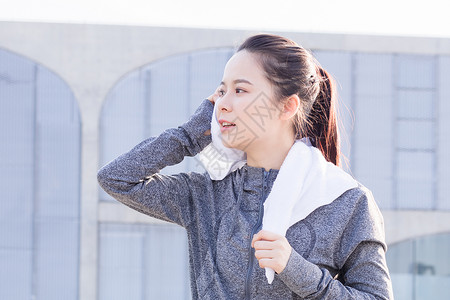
column 322, row 120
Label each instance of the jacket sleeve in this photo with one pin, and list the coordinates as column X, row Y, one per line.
column 361, row 255
column 134, row 179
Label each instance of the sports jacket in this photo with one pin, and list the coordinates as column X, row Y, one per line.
column 338, row 250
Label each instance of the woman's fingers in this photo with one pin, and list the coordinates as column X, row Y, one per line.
column 272, row 250
column 214, row 96
column 263, row 245
column 259, row 254
column 265, row 235
column 274, row 264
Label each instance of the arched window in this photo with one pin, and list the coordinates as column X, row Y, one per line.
column 40, row 182
column 420, row 267
column 150, row 261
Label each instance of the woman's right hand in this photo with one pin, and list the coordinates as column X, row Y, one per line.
column 213, row 99
column 214, row 96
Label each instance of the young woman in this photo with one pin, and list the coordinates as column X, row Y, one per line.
column 272, row 93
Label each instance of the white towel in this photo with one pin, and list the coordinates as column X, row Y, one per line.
column 217, row 159
column 305, row 181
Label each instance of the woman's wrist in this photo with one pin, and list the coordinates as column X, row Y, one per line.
column 198, row 127
column 300, row 275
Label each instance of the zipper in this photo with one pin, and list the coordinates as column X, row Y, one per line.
column 254, row 229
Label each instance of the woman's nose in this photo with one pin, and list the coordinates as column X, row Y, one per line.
column 223, row 105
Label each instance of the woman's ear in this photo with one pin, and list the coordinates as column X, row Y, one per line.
column 290, row 107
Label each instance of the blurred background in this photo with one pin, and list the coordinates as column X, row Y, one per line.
column 82, row 82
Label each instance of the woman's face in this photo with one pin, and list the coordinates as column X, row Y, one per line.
column 246, row 100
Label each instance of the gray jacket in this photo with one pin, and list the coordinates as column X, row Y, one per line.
column 338, row 250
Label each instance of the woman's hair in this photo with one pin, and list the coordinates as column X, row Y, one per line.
column 291, row 69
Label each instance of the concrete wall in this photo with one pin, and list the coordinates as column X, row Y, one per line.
column 92, row 58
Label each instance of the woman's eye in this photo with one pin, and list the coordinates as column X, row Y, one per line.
column 222, row 92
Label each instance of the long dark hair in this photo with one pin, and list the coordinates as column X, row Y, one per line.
column 292, row 69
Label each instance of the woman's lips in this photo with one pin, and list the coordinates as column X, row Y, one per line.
column 226, row 128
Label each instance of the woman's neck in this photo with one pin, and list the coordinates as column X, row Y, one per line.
column 269, row 155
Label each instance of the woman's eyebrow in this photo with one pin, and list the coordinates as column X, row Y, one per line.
column 238, row 81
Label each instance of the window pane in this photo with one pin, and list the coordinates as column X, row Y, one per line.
column 143, row 262
column 400, row 260
column 415, row 180
column 372, row 150
column 415, row 104
column 120, row 259
column 16, row 269
column 417, row 135
column 420, row 268
column 167, row 95
column 433, row 267
column 443, row 132
column 415, row 71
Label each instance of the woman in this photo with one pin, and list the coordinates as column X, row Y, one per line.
column 272, row 94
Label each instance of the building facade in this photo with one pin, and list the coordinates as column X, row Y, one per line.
column 73, row 97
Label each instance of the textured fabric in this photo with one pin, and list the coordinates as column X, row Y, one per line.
column 338, row 250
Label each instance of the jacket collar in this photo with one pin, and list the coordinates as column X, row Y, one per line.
column 253, row 177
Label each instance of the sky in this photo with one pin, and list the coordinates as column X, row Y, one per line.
column 429, row 18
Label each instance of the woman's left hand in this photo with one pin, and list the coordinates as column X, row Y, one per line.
column 272, row 250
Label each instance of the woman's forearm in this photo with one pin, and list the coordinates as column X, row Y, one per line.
column 133, row 178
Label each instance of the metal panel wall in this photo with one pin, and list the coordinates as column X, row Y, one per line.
column 415, row 137
column 56, row 208
column 143, row 262
column 40, row 170
column 17, row 115
column 443, row 133
column 372, row 147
